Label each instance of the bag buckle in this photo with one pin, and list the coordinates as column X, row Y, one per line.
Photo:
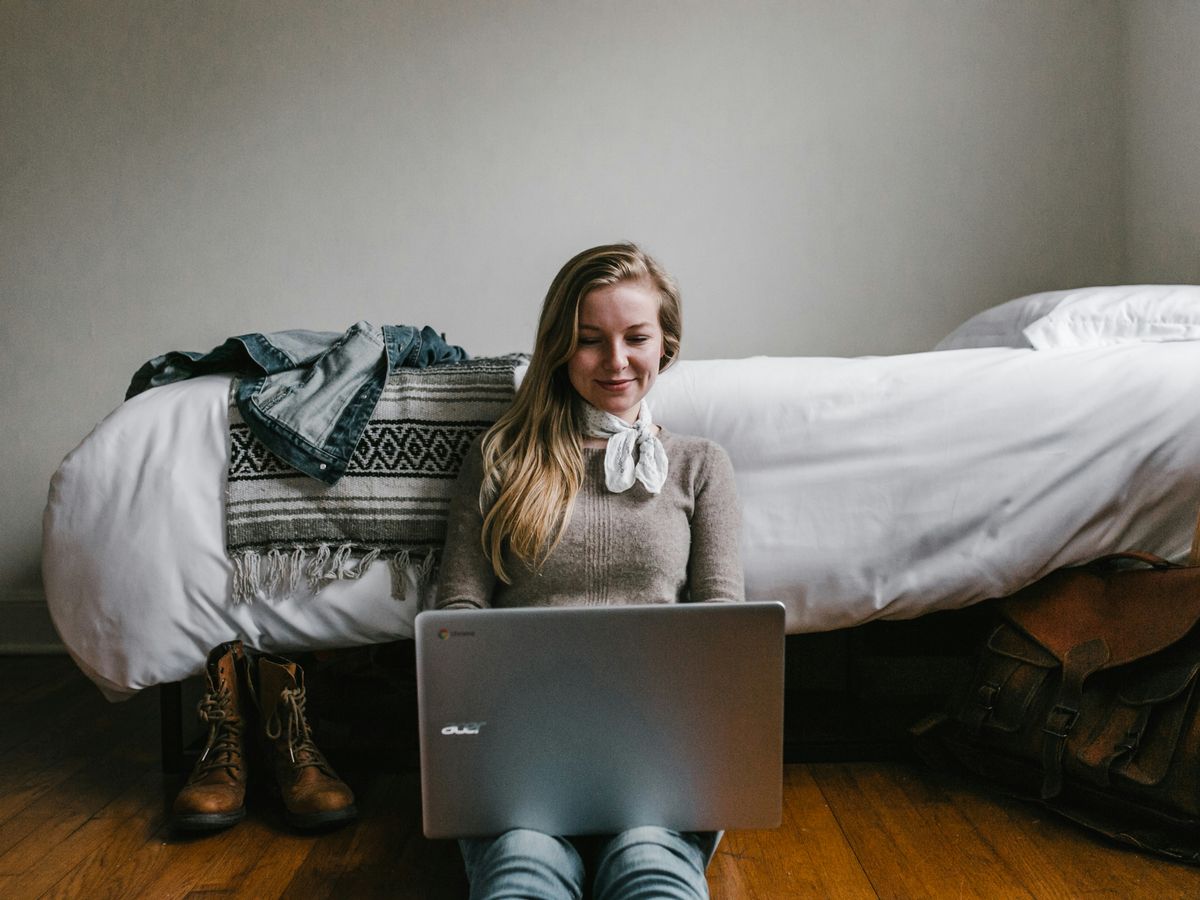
column 987, row 696
column 1131, row 741
column 1060, row 721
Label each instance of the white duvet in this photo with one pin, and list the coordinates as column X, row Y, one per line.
column 883, row 486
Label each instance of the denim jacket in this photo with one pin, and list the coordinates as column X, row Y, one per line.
column 307, row 395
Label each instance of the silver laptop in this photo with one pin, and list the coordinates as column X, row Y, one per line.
column 591, row 720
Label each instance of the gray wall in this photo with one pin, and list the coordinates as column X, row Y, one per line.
column 824, row 177
column 1162, row 126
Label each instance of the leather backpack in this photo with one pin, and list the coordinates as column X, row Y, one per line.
column 1084, row 698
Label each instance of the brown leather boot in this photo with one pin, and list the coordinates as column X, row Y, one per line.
column 311, row 791
column 214, row 795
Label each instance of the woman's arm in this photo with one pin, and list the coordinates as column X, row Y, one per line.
column 714, row 564
column 466, row 580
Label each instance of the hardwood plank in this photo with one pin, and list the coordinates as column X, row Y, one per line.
column 151, row 790
column 1056, row 858
column 30, row 769
column 73, row 743
column 68, row 796
column 316, row 876
column 14, row 830
column 233, row 859
column 420, row 869
column 92, row 786
column 387, row 820
column 66, row 855
column 282, row 855
column 61, row 844
column 911, row 841
column 31, row 779
column 133, row 817
column 41, row 836
column 172, row 866
column 807, row 856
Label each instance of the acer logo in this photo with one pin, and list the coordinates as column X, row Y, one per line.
column 464, row 728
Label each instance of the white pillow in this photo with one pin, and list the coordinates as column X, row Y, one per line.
column 1097, row 317
column 1003, row 325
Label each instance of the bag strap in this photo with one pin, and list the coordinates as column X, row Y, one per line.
column 1081, row 661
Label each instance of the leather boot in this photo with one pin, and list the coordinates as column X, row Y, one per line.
column 214, row 795
column 311, row 791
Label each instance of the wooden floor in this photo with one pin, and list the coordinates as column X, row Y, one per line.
column 83, row 811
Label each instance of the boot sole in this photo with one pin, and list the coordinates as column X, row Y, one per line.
column 207, row 821
column 325, row 819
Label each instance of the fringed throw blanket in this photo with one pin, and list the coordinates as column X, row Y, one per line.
column 284, row 528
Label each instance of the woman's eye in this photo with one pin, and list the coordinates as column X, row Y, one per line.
column 639, row 338
column 588, row 342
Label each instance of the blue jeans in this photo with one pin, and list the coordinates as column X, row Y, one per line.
column 638, row 864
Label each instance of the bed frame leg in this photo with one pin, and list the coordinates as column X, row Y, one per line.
column 170, row 703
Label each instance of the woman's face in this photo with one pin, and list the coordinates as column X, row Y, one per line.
column 620, row 346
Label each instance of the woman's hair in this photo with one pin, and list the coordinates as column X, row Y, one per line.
column 533, row 455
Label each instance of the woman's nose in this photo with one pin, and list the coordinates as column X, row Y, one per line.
column 616, row 357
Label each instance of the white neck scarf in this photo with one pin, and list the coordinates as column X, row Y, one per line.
column 633, row 452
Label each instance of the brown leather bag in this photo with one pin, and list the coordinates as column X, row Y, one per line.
column 1085, row 698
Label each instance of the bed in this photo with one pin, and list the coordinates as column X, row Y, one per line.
column 1042, row 433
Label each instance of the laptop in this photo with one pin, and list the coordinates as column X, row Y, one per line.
column 591, row 720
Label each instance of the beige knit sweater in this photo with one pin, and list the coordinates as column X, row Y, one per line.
column 634, row 547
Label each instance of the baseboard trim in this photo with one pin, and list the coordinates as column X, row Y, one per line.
column 25, row 626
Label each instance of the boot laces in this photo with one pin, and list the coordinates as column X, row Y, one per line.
column 223, row 745
column 301, row 748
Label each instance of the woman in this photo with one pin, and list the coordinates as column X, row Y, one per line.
column 574, row 497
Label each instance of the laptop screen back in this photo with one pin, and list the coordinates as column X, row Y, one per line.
column 589, row 720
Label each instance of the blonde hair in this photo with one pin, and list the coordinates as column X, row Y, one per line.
column 533, row 456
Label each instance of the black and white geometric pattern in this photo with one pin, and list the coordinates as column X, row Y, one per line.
column 397, row 449
column 387, row 449
column 250, row 458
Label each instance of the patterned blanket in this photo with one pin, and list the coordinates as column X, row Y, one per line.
column 284, row 528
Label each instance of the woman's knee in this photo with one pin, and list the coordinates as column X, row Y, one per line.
column 523, row 863
column 651, row 862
